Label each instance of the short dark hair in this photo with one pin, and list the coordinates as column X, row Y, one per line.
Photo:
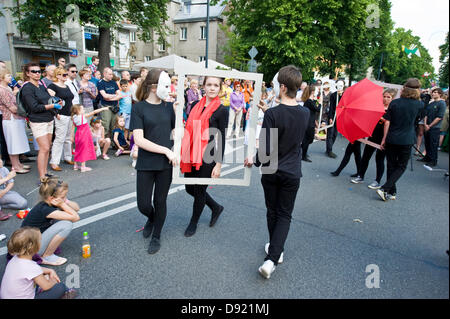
column 123, row 82
column 291, row 77
column 439, row 90
column 71, row 65
column 94, row 58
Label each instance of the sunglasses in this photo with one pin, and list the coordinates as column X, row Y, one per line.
column 65, row 74
column 74, row 71
column 35, row 71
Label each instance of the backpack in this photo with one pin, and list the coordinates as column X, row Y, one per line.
column 21, row 110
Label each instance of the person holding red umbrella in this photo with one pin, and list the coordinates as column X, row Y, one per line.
column 399, row 135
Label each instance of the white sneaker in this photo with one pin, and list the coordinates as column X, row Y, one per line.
column 374, row 185
column 266, row 248
column 267, row 269
column 357, row 180
column 382, row 194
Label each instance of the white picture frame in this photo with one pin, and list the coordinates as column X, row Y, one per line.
column 182, row 70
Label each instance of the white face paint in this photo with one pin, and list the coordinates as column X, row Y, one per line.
column 340, row 85
column 163, row 89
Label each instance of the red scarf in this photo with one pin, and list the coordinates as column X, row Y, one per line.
column 196, row 134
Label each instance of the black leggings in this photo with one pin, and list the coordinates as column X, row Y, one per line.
column 355, row 149
column 379, row 159
column 156, row 211
column 201, row 197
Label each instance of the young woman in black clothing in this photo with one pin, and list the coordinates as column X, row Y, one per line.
column 35, row 99
column 212, row 116
column 311, row 103
column 152, row 122
column 380, row 155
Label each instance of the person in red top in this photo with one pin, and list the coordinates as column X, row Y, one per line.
column 247, row 89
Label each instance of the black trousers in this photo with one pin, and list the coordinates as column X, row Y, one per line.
column 154, row 208
column 331, row 137
column 397, row 161
column 280, row 191
column 355, row 149
column 201, row 196
column 432, row 144
column 307, row 140
column 379, row 159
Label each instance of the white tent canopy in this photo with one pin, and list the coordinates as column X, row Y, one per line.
column 166, row 62
column 214, row 64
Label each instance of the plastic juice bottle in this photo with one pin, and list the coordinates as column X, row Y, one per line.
column 86, row 247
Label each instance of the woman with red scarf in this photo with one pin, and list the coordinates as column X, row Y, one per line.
column 199, row 157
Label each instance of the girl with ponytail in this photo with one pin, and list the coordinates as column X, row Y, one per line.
column 54, row 216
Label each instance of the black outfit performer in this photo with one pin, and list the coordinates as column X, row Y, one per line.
column 280, row 187
column 355, row 149
column 153, row 170
column 401, row 116
column 314, row 108
column 332, row 131
column 219, row 121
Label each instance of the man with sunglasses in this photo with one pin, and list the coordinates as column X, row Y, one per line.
column 72, row 83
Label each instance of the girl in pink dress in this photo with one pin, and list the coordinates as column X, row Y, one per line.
column 84, row 147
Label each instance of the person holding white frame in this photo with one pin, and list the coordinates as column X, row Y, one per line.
column 205, row 126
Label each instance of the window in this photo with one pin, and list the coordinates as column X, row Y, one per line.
column 91, row 39
column 183, row 33
column 202, row 58
column 186, row 7
column 203, row 33
column 162, row 47
column 148, row 58
column 132, row 36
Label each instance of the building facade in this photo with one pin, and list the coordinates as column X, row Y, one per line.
column 78, row 44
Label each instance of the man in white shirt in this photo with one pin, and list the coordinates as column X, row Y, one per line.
column 72, row 83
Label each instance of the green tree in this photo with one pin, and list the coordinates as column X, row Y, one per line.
column 314, row 35
column 38, row 19
column 443, row 59
column 397, row 67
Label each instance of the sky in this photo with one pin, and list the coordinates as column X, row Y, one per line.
column 427, row 19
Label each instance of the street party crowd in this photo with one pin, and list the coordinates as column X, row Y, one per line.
column 80, row 115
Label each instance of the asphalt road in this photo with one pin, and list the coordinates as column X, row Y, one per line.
column 338, row 230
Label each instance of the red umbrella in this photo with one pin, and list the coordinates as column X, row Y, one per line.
column 359, row 110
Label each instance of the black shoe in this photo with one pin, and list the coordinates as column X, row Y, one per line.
column 432, row 164
column 354, row 175
column 190, row 230
column 424, row 160
column 154, row 246
column 215, row 216
column 331, row 154
column 148, row 228
column 307, row 159
column 336, row 173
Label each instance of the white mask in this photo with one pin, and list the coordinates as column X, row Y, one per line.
column 276, row 86
column 340, row 86
column 163, row 89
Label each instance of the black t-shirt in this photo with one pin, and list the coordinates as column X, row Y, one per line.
column 402, row 114
column 37, row 217
column 157, row 121
column 291, row 123
column 433, row 110
column 35, row 99
column 64, row 94
column 110, row 87
column 313, row 109
column 219, row 121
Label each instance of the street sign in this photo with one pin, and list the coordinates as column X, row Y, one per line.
column 253, row 52
column 252, row 65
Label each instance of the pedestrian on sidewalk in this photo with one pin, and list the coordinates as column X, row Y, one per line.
column 399, row 135
column 281, row 167
column 201, row 158
column 152, row 122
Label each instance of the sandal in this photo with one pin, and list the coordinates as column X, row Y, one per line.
column 53, row 260
column 22, row 171
column 105, row 157
column 76, row 167
column 85, row 169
